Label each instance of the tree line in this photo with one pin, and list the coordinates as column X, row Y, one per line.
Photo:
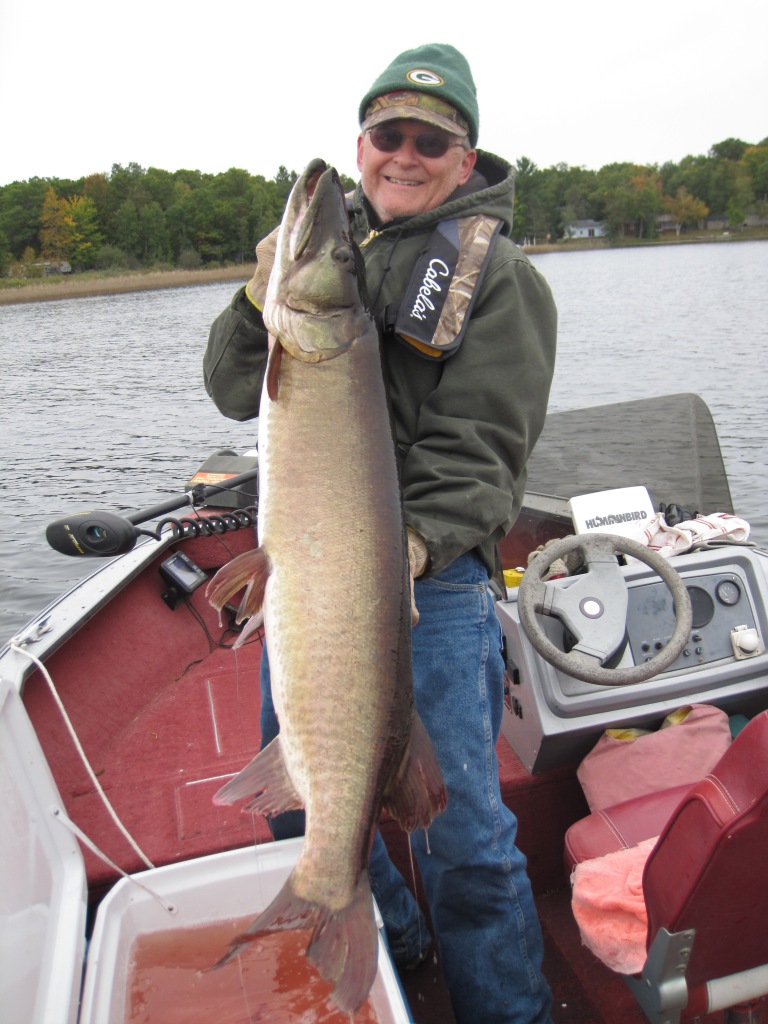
column 134, row 217
column 729, row 185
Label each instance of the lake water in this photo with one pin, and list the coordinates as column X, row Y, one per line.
column 102, row 403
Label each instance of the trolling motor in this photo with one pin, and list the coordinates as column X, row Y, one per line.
column 104, row 534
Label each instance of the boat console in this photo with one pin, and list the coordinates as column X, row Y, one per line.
column 553, row 719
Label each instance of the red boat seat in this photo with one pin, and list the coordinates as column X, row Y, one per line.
column 622, row 826
column 705, row 882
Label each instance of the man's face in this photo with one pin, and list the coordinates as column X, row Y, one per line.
column 404, row 183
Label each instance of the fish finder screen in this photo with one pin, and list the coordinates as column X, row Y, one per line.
column 182, row 571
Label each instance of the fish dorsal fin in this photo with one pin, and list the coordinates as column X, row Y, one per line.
column 417, row 793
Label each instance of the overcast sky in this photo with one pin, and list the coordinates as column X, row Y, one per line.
column 231, row 83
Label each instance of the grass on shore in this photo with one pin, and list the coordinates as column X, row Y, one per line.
column 105, row 282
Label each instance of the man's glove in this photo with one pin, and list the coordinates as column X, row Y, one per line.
column 418, row 556
column 266, row 250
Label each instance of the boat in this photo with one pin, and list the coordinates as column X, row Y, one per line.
column 132, row 671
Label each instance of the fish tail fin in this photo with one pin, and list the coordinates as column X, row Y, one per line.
column 249, row 570
column 344, row 948
column 266, row 779
column 417, row 794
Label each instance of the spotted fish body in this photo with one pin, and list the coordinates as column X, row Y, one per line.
column 331, row 577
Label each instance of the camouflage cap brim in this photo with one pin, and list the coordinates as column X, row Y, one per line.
column 415, row 106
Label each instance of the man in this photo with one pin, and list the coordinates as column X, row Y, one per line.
column 468, row 340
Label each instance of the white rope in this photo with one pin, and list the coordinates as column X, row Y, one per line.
column 61, row 816
column 81, row 753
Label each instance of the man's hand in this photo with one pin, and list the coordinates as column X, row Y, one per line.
column 256, row 289
column 418, row 556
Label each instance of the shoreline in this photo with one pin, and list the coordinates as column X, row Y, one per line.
column 87, row 285
column 82, row 286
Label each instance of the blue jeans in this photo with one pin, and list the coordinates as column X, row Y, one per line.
column 485, row 922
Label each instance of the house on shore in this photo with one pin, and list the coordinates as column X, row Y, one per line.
column 585, row 229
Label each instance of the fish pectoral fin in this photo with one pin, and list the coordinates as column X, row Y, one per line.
column 273, row 368
column 249, row 570
column 416, row 794
column 266, row 779
column 344, row 948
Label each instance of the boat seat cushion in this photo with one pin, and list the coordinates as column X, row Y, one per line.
column 620, row 827
column 707, row 871
column 689, row 743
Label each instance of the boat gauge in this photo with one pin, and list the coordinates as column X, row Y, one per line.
column 702, row 607
column 728, row 592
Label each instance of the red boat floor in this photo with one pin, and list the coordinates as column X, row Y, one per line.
column 162, row 740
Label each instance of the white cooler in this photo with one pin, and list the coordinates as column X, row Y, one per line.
column 43, row 900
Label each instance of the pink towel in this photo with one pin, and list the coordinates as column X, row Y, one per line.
column 609, row 907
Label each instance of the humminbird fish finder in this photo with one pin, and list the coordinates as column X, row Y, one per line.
column 183, row 576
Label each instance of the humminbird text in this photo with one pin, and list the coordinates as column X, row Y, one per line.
column 613, row 519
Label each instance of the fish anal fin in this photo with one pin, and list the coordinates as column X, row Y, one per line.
column 287, row 910
column 273, row 367
column 266, row 780
column 344, row 948
column 417, row 794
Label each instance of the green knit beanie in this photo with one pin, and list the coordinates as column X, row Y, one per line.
column 437, row 69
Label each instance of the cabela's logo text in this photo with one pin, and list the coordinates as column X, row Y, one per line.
column 437, row 268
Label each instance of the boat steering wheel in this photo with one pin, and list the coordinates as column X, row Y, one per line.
column 593, row 606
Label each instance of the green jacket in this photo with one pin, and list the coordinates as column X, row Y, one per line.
column 466, row 425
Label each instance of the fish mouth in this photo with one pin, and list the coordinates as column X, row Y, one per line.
column 316, row 295
column 320, row 312
column 315, row 195
column 319, row 236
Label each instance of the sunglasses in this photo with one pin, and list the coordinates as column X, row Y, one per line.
column 432, row 145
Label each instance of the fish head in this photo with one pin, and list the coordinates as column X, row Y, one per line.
column 315, row 304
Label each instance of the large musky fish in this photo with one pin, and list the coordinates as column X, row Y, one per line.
column 331, row 576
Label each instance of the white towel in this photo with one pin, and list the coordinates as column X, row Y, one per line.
column 674, row 540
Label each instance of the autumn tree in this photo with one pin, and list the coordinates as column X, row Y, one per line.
column 685, row 208
column 30, row 265
column 632, row 199
column 84, row 234
column 55, row 227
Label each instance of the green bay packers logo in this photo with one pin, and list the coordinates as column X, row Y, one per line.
column 420, row 76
